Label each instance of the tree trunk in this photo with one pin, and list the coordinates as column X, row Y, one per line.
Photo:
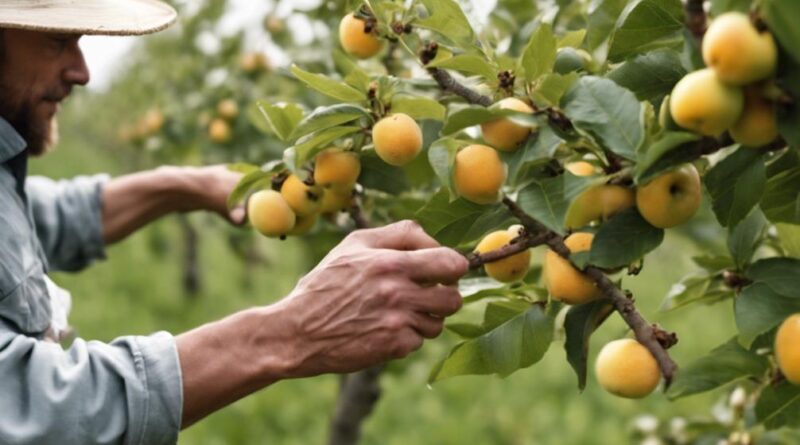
column 191, row 268
column 358, row 395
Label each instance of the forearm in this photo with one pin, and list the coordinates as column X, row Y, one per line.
column 132, row 201
column 226, row 360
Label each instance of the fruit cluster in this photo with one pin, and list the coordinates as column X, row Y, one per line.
column 295, row 208
column 732, row 93
column 219, row 128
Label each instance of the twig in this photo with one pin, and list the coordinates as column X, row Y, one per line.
column 517, row 245
column 447, row 82
column 650, row 336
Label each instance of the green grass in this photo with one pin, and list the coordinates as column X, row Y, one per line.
column 137, row 291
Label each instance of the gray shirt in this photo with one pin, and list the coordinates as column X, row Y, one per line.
column 128, row 391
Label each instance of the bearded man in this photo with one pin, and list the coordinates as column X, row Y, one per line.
column 375, row 297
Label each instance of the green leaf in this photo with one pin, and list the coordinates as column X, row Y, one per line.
column 624, row 239
column 308, row 146
column 608, row 111
column 446, row 18
column 789, row 235
column 725, row 364
column 781, row 274
column 581, row 321
column 242, row 167
column 602, row 20
column 540, row 53
column 736, row 185
column 781, row 200
column 719, row 7
column 442, row 156
column 418, row 107
column 518, row 343
column 781, row 16
column 468, row 64
column 249, row 182
column 714, row 263
column 572, row 39
column 779, row 406
column 650, row 76
column 645, row 25
column 668, row 152
column 378, row 175
column 474, row 114
column 695, row 289
column 538, row 149
column 759, row 308
column 329, row 87
column 326, row 117
column 745, row 238
column 281, row 119
column 460, row 221
column 552, row 87
column 548, row 199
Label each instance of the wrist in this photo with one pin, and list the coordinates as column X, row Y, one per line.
column 183, row 186
column 276, row 343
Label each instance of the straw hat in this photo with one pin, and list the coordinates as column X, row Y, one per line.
column 98, row 17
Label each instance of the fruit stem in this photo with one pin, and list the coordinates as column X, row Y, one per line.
column 650, row 336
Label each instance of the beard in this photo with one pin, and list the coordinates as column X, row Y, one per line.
column 40, row 132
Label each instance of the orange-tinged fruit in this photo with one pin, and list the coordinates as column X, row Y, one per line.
column 334, row 168
column 479, row 174
column 227, row 109
column 599, row 203
column 503, row 134
column 269, row 213
column 356, row 40
column 397, row 139
column 219, row 131
column 508, row 269
column 701, row 103
column 335, row 200
column 303, row 224
column 670, row 199
column 787, row 348
column 737, row 51
column 758, row 124
column 580, row 168
column 564, row 282
column 304, row 199
column 627, row 369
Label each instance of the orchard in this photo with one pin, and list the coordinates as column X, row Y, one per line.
column 559, row 145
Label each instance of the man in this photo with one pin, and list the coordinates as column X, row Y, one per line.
column 373, row 298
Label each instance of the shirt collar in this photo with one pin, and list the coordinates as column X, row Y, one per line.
column 11, row 143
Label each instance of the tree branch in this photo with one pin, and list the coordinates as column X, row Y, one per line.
column 447, row 82
column 696, row 18
column 517, row 245
column 650, row 336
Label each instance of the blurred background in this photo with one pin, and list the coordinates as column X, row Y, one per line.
column 153, row 101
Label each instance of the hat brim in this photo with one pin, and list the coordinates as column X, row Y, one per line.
column 92, row 17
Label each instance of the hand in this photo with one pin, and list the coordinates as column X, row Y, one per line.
column 217, row 184
column 373, row 298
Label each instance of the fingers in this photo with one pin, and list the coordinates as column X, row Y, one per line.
column 407, row 341
column 435, row 265
column 441, row 301
column 426, row 325
column 237, row 216
column 403, row 235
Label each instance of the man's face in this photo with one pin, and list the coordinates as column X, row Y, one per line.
column 37, row 71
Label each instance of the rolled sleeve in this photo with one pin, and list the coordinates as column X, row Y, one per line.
column 126, row 392
column 68, row 219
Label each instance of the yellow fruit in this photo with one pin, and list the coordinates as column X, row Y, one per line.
column 787, row 348
column 252, row 62
column 334, row 168
column 303, row 199
column 758, row 125
column 580, row 168
column 478, row 174
column 303, row 224
column 737, row 52
column 508, row 269
column 397, row 138
column 599, row 203
column 153, row 121
column 701, row 103
column 334, row 200
column 227, row 109
column 627, row 369
column 503, row 134
column 356, row 40
column 269, row 213
column 219, row 131
column 565, row 282
column 670, row 199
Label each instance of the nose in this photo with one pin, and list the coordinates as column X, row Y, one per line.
column 76, row 71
